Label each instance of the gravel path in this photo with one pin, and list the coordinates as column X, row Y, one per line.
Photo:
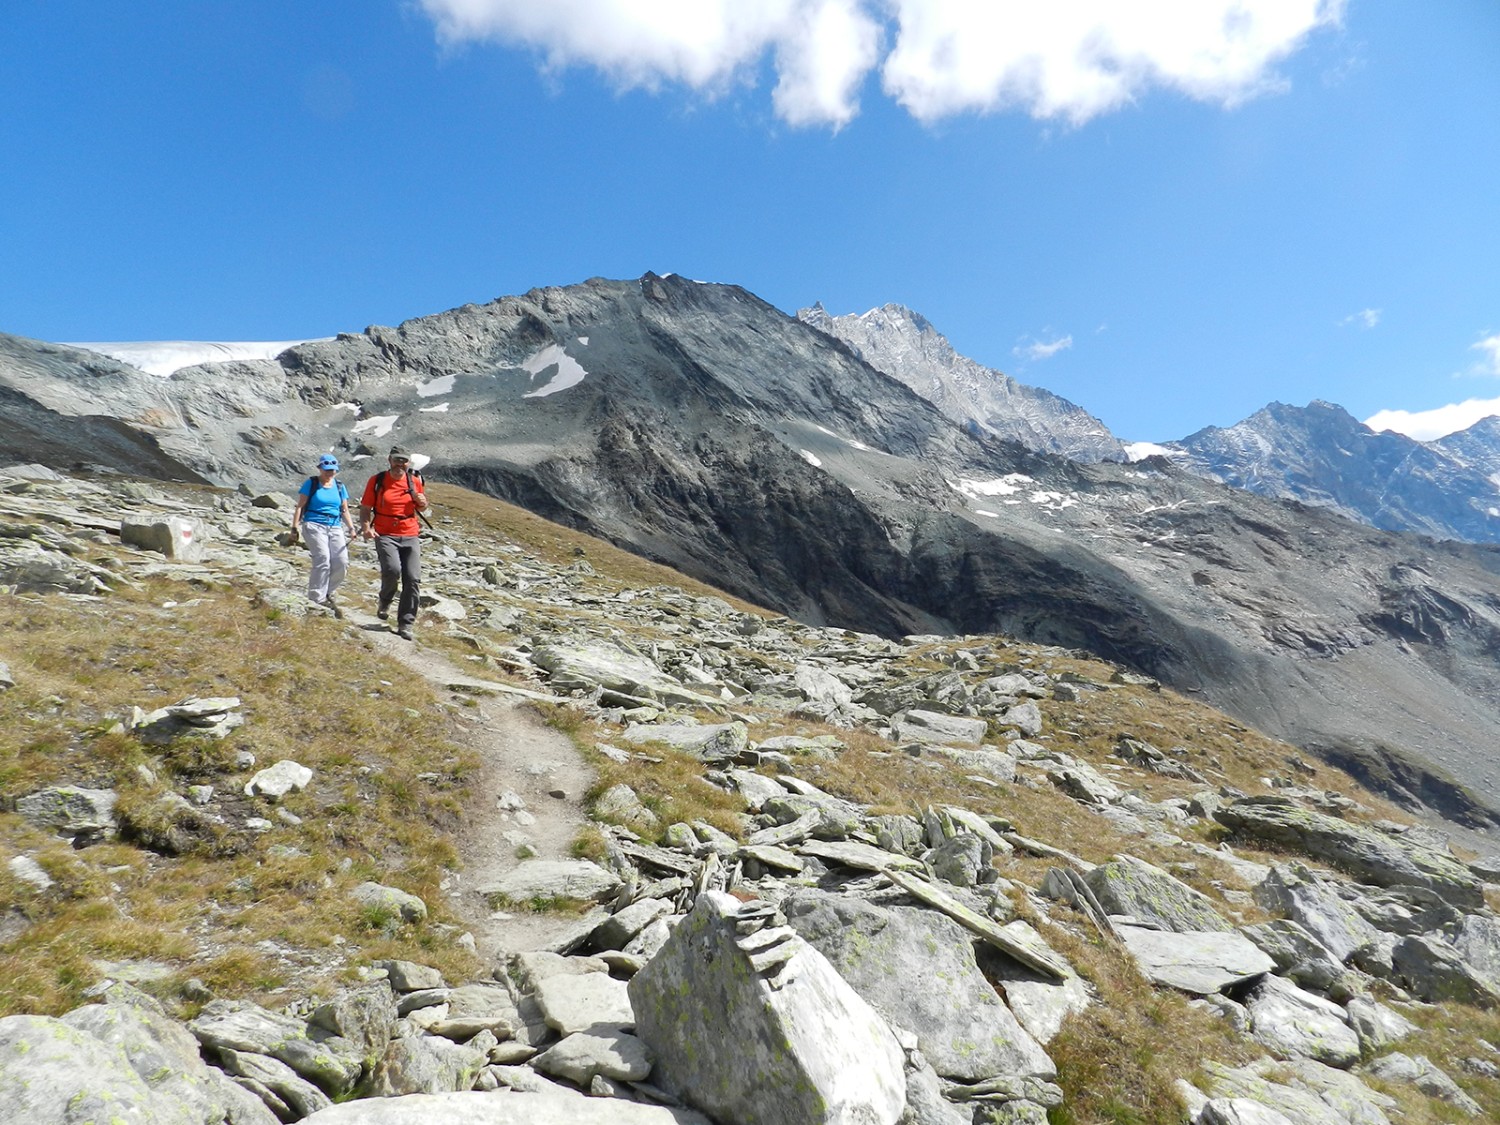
column 521, row 756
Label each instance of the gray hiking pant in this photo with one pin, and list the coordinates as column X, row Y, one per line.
column 329, row 549
column 400, row 562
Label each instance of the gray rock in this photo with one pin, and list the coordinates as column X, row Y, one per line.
column 1131, row 886
column 1477, row 940
column 553, row 879
column 276, row 781
column 600, row 664
column 392, row 900
column 333, row 1064
column 756, row 788
column 1240, row 1111
column 261, row 1072
column 1368, row 854
column 962, row 860
column 29, row 871
column 852, row 853
column 623, row 926
column 1404, row 910
column 1084, row 783
column 1040, row 1002
column 1377, row 1026
column 86, row 815
column 582, row 1056
column 900, row 834
column 579, row 1003
column 1299, row 1106
column 180, row 540
column 59, row 1075
column 165, row 1055
column 620, row 805
column 916, row 725
column 1286, row 942
column 757, row 1026
column 362, row 1015
column 833, row 819
column 1024, row 717
column 821, row 686
column 1199, row 963
column 1420, row 1072
column 925, row 1104
column 425, row 1065
column 709, row 742
column 918, row 970
column 552, row 1107
column 1293, row 1023
column 1314, row 903
column 409, row 976
column 994, row 764
column 1435, row 971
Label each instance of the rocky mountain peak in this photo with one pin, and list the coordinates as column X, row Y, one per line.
column 906, row 346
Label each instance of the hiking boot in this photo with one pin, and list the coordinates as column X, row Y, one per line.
column 333, row 607
column 404, row 633
column 383, row 611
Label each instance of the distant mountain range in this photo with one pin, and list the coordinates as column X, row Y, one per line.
column 777, row 458
column 1321, row 455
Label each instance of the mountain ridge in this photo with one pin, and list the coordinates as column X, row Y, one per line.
column 699, row 426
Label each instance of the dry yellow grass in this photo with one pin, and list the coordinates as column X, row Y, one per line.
column 382, row 805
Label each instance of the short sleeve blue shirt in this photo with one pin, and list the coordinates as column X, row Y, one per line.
column 325, row 503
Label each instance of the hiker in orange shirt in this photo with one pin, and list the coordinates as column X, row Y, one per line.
column 389, row 514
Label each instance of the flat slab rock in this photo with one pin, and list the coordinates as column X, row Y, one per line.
column 514, row 1108
column 554, row 878
column 1200, row 963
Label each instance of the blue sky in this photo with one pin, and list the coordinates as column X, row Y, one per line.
column 1183, row 226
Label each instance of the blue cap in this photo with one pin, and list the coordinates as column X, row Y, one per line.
column 328, row 461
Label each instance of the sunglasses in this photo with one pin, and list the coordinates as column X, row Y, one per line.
column 400, row 461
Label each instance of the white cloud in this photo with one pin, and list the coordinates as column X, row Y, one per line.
column 1069, row 59
column 1425, row 425
column 1489, row 347
column 1042, row 349
column 1365, row 318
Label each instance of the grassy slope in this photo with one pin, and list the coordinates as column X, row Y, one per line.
column 267, row 915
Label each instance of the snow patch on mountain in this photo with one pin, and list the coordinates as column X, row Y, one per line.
column 164, row 357
column 378, row 426
column 569, row 372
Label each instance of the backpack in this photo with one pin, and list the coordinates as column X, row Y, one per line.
column 313, row 486
column 380, row 486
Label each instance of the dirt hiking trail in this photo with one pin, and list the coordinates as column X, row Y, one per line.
column 521, row 756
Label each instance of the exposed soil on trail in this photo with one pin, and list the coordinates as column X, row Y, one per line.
column 521, row 756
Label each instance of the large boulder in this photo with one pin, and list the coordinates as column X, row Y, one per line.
column 1366, row 853
column 514, row 1108
column 1315, row 904
column 918, row 970
column 1200, row 963
column 1434, row 970
column 552, row 879
column 751, row 1024
column 330, row 1062
column 935, row 727
column 180, row 540
column 122, row 1059
column 590, row 664
column 709, row 742
column 53, row 1074
column 1294, row 1023
column 1131, row 886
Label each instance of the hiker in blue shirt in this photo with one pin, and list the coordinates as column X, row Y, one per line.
column 322, row 514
